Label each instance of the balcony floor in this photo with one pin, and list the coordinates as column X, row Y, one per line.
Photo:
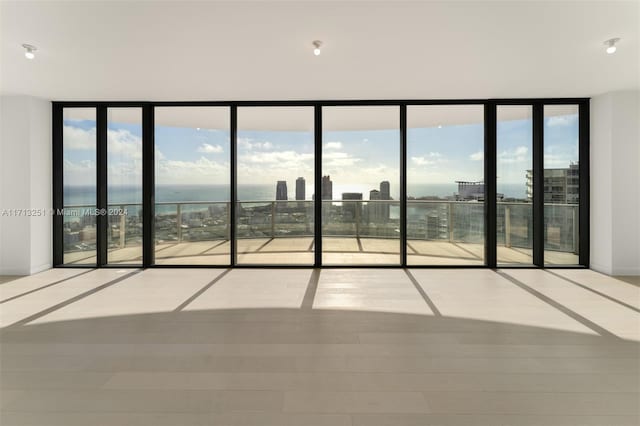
column 331, row 347
column 337, row 251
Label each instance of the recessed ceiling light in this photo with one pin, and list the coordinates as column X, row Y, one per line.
column 317, row 44
column 28, row 51
column 611, row 45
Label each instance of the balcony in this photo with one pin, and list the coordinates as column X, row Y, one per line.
column 354, row 232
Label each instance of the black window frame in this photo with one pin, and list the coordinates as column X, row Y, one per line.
column 490, row 163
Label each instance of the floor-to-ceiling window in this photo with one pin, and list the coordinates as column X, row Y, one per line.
column 561, row 185
column 514, row 183
column 445, row 185
column 361, row 185
column 192, row 186
column 321, row 183
column 79, row 186
column 124, row 186
column 275, row 176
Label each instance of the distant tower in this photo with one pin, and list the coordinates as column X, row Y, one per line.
column 281, row 190
column 375, row 209
column 385, row 194
column 300, row 188
column 385, row 191
column 353, row 209
column 327, row 188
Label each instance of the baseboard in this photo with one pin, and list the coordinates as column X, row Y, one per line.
column 601, row 268
column 627, row 270
column 13, row 271
column 40, row 268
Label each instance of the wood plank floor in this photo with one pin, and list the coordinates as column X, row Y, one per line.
column 327, row 347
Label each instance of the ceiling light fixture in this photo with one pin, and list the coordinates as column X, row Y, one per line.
column 28, row 51
column 317, row 44
column 611, row 45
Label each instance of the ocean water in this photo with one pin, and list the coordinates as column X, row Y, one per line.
column 85, row 195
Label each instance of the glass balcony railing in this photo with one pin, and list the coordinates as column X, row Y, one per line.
column 274, row 219
column 442, row 221
column 192, row 221
column 361, row 219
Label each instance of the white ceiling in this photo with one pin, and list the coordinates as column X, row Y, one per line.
column 154, row 50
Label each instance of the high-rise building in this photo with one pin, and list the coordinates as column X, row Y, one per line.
column 470, row 191
column 376, row 209
column 300, row 188
column 327, row 188
column 385, row 190
column 281, row 190
column 561, row 186
column 385, row 194
column 352, row 209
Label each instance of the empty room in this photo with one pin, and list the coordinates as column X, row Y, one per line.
column 319, row 213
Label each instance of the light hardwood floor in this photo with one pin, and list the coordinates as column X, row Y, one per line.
column 308, row 347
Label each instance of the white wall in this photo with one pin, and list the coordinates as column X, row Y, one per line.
column 25, row 183
column 615, row 183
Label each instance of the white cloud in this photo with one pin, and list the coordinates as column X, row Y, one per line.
column 210, row 149
column 249, row 144
column 342, row 162
column 334, row 155
column 339, row 159
column 429, row 159
column 560, row 156
column 421, row 161
column 124, row 144
column 333, row 145
column 555, row 161
column 200, row 171
column 244, row 143
column 516, row 155
column 477, row 156
column 276, row 157
column 76, row 138
column 81, row 172
column 124, row 150
column 121, row 143
column 262, row 145
column 560, row 120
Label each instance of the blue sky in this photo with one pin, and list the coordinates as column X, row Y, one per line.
column 356, row 160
